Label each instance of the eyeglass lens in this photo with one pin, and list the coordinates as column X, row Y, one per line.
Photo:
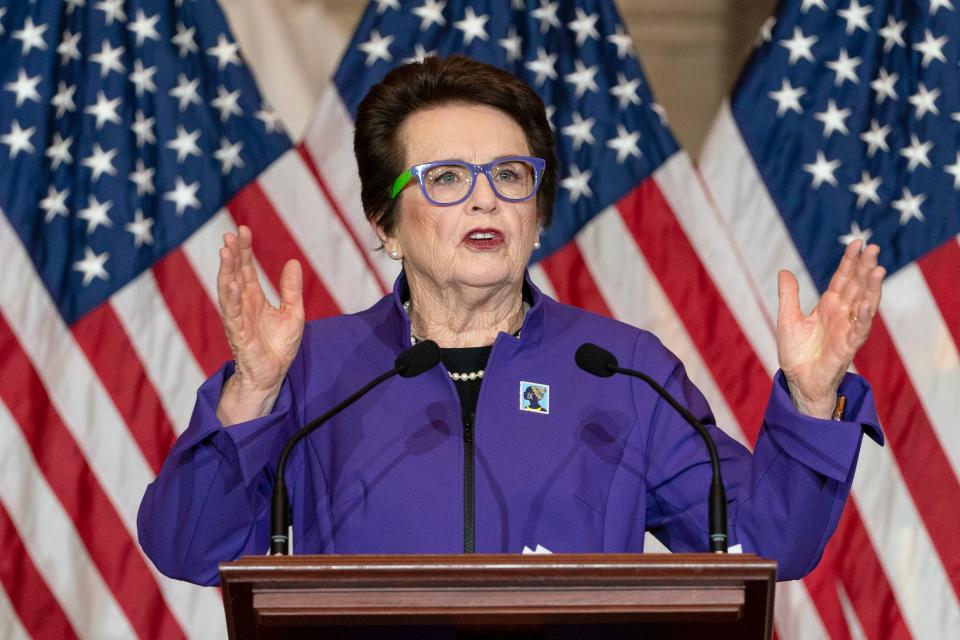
column 447, row 183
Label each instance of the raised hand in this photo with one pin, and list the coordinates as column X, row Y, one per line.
column 815, row 350
column 264, row 339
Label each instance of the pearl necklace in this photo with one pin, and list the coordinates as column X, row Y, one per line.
column 454, row 375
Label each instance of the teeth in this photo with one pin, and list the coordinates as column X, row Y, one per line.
column 482, row 236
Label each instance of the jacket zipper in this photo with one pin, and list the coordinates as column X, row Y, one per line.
column 469, row 499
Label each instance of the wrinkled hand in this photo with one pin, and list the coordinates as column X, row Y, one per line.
column 815, row 350
column 264, row 339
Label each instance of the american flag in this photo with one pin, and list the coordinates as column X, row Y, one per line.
column 106, row 336
column 844, row 125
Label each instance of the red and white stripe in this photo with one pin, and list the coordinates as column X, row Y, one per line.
column 900, row 491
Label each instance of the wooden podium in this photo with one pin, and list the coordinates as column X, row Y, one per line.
column 515, row 596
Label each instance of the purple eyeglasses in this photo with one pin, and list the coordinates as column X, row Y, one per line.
column 450, row 182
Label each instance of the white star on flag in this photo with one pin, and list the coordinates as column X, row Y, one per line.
column 925, row 101
column 625, row 143
column 866, row 189
column 141, row 228
column 833, row 119
column 787, row 97
column 229, row 155
column 892, row 34
column 577, row 183
column 142, row 177
column 931, row 48
column 269, row 118
column 547, row 15
column 543, row 66
column 145, row 28
column 104, row 110
column 18, row 139
column 856, row 16
column 59, row 151
column 582, row 78
column 799, row 46
column 876, row 137
column 909, row 206
column 142, row 128
column 185, row 144
column 69, row 47
column 100, row 162
column 883, row 85
column 845, row 67
column 916, row 153
column 512, row 44
column 186, row 91
column 419, row 54
column 92, row 265
column 807, row 4
column 31, row 36
column 936, row 5
column 856, row 233
column 184, row 40
column 225, row 52
column 622, row 41
column 376, row 48
column 55, row 204
column 472, row 26
column 108, row 58
column 954, row 170
column 383, row 5
column 25, row 87
column 579, row 131
column 142, row 78
column 430, row 13
column 113, row 10
column 822, row 170
column 625, row 91
column 95, row 213
column 63, row 100
column 585, row 26
column 183, row 195
column 226, row 103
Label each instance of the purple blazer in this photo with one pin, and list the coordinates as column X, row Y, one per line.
column 604, row 462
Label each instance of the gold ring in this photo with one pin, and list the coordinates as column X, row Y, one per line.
column 853, row 317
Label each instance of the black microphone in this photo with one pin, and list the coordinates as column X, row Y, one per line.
column 416, row 360
column 602, row 363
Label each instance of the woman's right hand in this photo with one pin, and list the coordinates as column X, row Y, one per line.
column 264, row 339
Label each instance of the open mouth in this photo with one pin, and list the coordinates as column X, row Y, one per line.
column 483, row 239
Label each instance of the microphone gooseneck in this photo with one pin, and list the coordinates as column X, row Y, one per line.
column 418, row 359
column 600, row 362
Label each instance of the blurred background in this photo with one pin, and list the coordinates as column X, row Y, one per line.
column 691, row 50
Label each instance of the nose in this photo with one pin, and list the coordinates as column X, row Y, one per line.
column 483, row 199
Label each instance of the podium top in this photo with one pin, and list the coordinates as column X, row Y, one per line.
column 723, row 595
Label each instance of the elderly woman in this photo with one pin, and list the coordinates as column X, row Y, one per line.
column 508, row 444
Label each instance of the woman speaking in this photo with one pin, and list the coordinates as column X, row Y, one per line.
column 506, row 444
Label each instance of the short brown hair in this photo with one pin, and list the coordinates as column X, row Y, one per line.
column 431, row 83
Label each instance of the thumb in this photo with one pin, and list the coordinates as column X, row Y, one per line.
column 789, row 295
column 291, row 285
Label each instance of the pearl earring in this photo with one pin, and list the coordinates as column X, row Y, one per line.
column 536, row 244
column 395, row 254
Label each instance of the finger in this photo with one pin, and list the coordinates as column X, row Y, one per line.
column 789, row 298
column 245, row 244
column 857, row 283
column 845, row 268
column 291, row 285
column 227, row 273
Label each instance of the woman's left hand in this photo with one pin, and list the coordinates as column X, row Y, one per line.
column 815, row 350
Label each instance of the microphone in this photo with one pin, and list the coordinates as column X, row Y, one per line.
column 602, row 363
column 418, row 359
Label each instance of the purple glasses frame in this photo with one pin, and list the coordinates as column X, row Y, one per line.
column 418, row 171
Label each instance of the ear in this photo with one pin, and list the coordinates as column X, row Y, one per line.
column 390, row 243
